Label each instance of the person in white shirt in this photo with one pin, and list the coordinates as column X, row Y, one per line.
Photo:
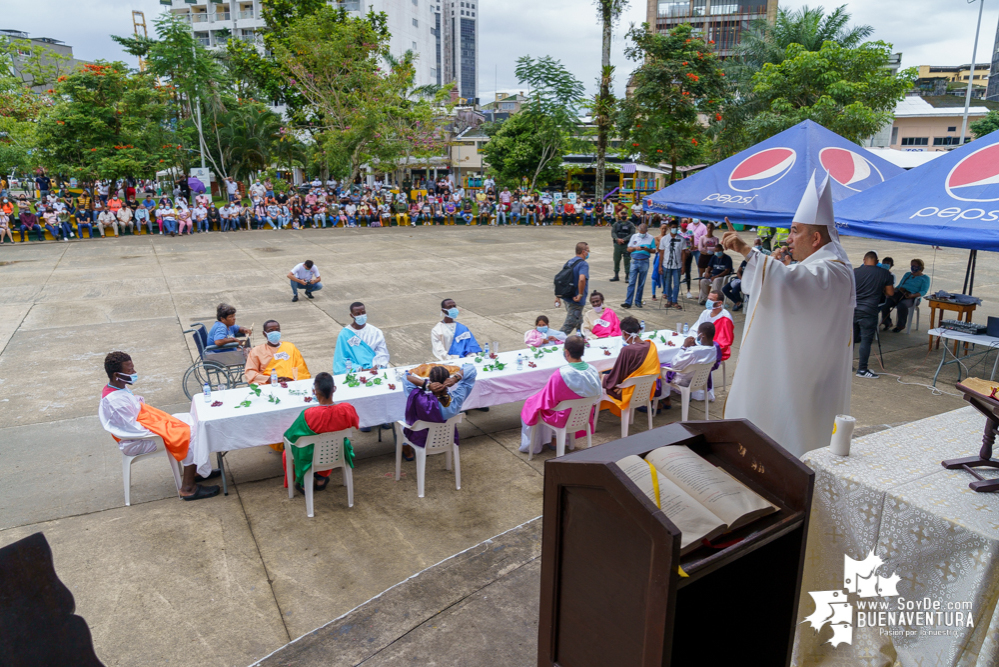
column 231, row 188
column 640, row 247
column 257, row 189
column 608, row 212
column 201, row 218
column 672, row 253
column 305, row 275
column 699, row 350
column 449, row 339
column 351, row 211
column 360, row 343
column 107, row 218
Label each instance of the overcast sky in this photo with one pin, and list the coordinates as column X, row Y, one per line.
column 938, row 32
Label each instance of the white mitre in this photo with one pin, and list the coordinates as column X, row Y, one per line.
column 816, row 206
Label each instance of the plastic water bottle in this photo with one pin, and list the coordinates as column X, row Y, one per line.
column 686, row 328
column 350, row 366
column 274, row 380
column 207, row 389
column 643, row 326
column 520, row 362
column 487, row 349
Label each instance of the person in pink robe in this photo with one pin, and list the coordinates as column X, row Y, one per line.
column 542, row 335
column 576, row 380
column 600, row 321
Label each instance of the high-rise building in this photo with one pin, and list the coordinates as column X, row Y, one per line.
column 457, row 32
column 26, row 46
column 720, row 20
column 411, row 22
column 992, row 93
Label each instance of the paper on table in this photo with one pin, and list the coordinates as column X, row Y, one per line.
column 694, row 521
column 726, row 497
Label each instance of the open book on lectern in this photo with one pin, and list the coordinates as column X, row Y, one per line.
column 702, row 500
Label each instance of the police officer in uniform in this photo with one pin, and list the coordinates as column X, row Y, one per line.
column 621, row 232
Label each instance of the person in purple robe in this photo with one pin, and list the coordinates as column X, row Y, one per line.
column 436, row 399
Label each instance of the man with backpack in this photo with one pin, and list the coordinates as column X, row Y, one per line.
column 571, row 287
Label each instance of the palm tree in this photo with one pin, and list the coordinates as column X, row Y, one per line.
column 249, row 135
column 609, row 11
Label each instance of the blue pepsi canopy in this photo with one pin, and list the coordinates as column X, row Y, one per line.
column 952, row 201
column 762, row 185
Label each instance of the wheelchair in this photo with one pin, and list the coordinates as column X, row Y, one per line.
column 221, row 370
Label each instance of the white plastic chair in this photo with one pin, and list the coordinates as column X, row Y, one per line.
column 440, row 440
column 699, row 382
column 327, row 454
column 127, row 461
column 913, row 315
column 579, row 419
column 643, row 391
column 724, row 378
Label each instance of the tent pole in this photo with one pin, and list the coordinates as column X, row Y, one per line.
column 974, row 261
column 967, row 273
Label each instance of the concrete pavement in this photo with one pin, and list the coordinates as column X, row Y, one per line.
column 229, row 580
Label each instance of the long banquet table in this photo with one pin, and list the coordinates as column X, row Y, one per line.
column 229, row 427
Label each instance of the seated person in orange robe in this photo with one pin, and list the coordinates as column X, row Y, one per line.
column 131, row 421
column 637, row 357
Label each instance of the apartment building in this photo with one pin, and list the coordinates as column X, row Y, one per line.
column 457, row 33
column 40, row 46
column 722, row 21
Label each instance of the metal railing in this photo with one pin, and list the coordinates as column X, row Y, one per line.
column 222, row 16
column 199, row 18
column 246, row 14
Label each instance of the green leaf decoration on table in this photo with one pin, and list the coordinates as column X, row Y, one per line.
column 487, row 368
column 350, row 377
column 499, row 366
column 377, row 381
column 353, row 383
column 273, row 399
column 478, row 360
column 255, row 389
column 385, row 376
column 244, row 404
column 662, row 339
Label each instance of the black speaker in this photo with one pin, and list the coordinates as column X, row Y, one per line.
column 993, row 327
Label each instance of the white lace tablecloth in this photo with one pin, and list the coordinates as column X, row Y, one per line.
column 940, row 537
column 228, row 427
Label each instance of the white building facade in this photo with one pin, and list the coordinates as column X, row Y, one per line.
column 411, row 22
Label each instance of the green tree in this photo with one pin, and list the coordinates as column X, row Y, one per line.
column 19, row 108
column 553, row 107
column 609, row 12
column 107, row 122
column 517, row 147
column 986, row 125
column 37, row 66
column 249, row 134
column 679, row 82
column 850, row 91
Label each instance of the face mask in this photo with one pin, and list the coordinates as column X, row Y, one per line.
column 598, row 309
column 361, row 319
column 274, row 337
column 914, row 268
column 719, row 253
column 542, row 329
column 709, row 304
column 698, row 341
column 673, row 230
column 128, row 379
column 452, row 313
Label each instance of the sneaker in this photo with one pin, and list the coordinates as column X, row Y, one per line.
column 736, row 308
column 689, row 295
column 294, row 298
column 626, row 305
column 867, row 374
column 308, row 295
column 639, row 305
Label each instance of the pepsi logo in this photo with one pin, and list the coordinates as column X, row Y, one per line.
column 976, row 177
column 761, row 170
column 849, row 169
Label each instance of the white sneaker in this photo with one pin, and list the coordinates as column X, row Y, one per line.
column 689, row 295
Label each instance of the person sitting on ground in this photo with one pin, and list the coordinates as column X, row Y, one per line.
column 327, row 417
column 573, row 381
column 124, row 414
column 450, row 339
column 305, row 275
column 225, row 331
column 637, row 357
column 715, row 313
column 360, row 343
column 700, row 350
column 435, row 398
column 542, row 335
column 600, row 321
column 274, row 355
column 913, row 285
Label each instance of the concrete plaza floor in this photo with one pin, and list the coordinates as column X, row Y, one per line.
column 228, row 580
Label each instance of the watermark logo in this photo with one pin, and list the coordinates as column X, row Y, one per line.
column 864, row 602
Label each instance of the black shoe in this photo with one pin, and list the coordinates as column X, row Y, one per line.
column 308, row 295
column 615, row 279
column 867, row 374
column 639, row 305
column 626, row 305
column 294, row 298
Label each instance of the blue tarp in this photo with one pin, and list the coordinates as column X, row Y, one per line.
column 952, row 201
column 763, row 184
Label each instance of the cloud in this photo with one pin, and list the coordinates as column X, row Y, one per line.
column 925, row 31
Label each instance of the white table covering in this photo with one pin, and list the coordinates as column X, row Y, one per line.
column 228, row 427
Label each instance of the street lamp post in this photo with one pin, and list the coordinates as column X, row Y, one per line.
column 971, row 75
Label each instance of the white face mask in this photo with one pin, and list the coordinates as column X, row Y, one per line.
column 598, row 309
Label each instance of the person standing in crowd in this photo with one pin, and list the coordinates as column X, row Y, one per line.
column 913, row 285
column 673, row 252
column 576, row 300
column 305, row 275
column 231, row 188
column 640, row 247
column 621, row 232
column 873, row 284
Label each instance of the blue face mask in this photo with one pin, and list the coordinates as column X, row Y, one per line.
column 542, row 329
column 709, row 305
column 698, row 341
column 274, row 337
column 719, row 253
column 452, row 313
column 128, row 379
column 361, row 320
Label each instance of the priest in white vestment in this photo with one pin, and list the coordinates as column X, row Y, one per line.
column 795, row 361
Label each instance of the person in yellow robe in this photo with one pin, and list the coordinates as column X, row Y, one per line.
column 276, row 354
column 637, row 357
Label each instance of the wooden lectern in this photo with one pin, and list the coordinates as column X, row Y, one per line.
column 611, row 593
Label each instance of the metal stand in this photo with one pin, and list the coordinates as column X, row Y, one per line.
column 989, row 407
column 220, row 457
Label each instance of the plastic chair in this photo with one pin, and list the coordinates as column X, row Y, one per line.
column 643, row 388
column 440, row 440
column 327, row 454
column 127, row 461
column 913, row 314
column 724, row 376
column 579, row 419
column 699, row 382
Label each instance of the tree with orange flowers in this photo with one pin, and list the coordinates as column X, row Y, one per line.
column 679, row 91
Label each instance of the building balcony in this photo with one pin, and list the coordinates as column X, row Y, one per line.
column 199, row 18
column 246, row 14
column 222, row 16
